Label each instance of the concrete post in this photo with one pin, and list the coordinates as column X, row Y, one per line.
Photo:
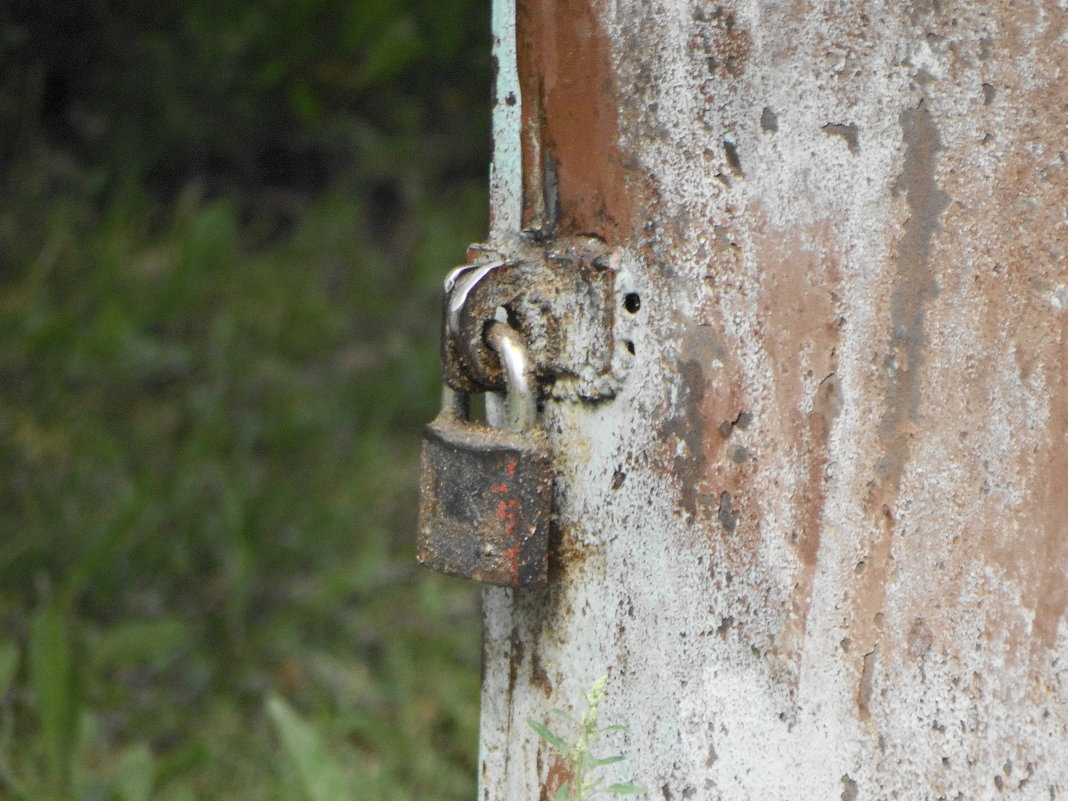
column 819, row 542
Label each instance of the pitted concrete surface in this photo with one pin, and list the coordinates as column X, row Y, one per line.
column 819, row 541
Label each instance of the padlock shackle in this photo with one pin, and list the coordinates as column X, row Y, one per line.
column 458, row 404
column 458, row 285
column 508, row 345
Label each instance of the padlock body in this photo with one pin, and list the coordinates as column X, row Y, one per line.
column 485, row 502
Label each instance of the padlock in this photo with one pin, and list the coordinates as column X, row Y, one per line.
column 485, row 499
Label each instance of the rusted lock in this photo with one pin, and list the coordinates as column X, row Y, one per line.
column 485, row 502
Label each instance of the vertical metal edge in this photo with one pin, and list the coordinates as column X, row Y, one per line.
column 496, row 700
column 506, row 171
column 505, row 223
column 506, row 211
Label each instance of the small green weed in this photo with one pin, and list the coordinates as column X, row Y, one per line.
column 67, row 763
column 581, row 785
column 321, row 774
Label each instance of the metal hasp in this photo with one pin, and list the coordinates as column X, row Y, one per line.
column 563, row 300
column 541, row 320
column 485, row 505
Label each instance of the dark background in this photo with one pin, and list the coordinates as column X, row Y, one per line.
column 222, row 231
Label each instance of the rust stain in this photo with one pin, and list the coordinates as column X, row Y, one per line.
column 1052, row 587
column 1037, row 554
column 1022, row 262
column 825, row 407
column 711, row 479
column 574, row 178
column 872, row 573
column 915, row 287
column 539, row 677
column 559, row 774
column 1027, row 540
column 515, row 658
column 803, row 324
column 1005, row 242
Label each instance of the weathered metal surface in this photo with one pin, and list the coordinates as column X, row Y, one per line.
column 485, row 502
column 566, row 301
column 573, row 167
column 819, row 539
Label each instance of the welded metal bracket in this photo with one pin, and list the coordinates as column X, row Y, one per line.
column 568, row 301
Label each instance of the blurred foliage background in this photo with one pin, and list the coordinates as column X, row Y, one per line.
column 222, row 230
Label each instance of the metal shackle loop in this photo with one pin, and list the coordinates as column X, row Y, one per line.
column 519, row 377
column 456, row 403
column 458, row 285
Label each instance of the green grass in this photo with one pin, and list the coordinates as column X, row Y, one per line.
column 209, row 432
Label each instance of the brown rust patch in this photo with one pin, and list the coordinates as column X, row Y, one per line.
column 713, row 485
column 569, row 549
column 1047, row 587
column 686, row 427
column 573, row 170
column 1019, row 265
column 975, row 349
column 1026, row 540
column 515, row 658
column 559, row 774
column 539, row 677
column 803, row 333
column 915, row 288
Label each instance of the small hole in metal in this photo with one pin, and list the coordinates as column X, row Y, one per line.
column 632, row 302
column 630, row 346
